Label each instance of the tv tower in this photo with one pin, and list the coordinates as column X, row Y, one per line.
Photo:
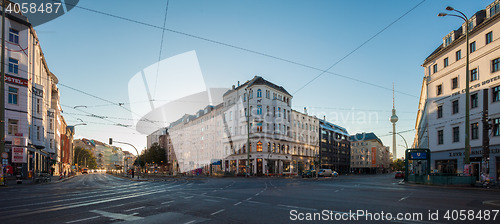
column 394, row 119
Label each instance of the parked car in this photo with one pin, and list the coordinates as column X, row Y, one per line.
column 325, row 173
column 399, row 175
column 309, row 173
column 335, row 174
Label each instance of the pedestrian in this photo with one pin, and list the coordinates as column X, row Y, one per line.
column 132, row 173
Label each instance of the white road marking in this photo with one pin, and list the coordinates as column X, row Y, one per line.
column 248, row 199
column 336, row 191
column 217, row 212
column 188, row 197
column 210, row 200
column 167, row 202
column 297, row 207
column 237, row 203
column 79, row 220
column 117, row 215
column 406, row 197
column 192, row 221
column 132, row 209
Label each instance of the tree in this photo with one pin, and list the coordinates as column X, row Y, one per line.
column 84, row 157
column 155, row 154
column 398, row 164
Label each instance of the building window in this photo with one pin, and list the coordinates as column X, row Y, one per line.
column 454, row 83
column 445, row 62
column 496, row 127
column 268, row 93
column 267, row 112
column 473, row 75
column 259, row 109
column 475, row 131
column 13, row 36
column 494, row 10
column 13, row 127
column 496, row 93
column 440, row 137
column 439, row 90
column 51, row 123
column 259, row 146
column 38, row 106
column 472, row 46
column 13, row 66
column 440, row 111
column 259, row 93
column 13, row 95
column 458, row 54
column 456, row 134
column 455, row 106
column 489, row 37
column 250, row 94
column 435, row 68
column 447, row 41
column 473, row 100
column 495, row 65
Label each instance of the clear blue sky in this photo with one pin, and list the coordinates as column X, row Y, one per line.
column 98, row 54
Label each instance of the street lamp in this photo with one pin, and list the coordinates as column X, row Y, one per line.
column 467, row 113
column 248, row 90
column 402, row 138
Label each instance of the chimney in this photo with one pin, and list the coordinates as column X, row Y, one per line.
column 324, row 117
column 233, row 87
column 238, row 83
column 305, row 110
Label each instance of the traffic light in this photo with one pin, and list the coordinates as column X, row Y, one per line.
column 111, row 141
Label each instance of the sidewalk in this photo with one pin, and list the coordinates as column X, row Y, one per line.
column 12, row 182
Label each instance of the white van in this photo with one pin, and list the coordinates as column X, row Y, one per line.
column 325, row 173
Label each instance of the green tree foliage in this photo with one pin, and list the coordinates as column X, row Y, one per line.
column 155, row 154
column 84, row 157
column 398, row 165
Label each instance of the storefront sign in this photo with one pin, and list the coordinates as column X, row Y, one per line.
column 16, row 80
column 374, row 156
column 486, row 82
column 473, row 152
column 19, row 154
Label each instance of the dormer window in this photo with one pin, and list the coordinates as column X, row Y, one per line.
column 494, row 9
column 447, row 41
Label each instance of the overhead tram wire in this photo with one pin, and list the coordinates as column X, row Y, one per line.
column 161, row 48
column 356, row 49
column 254, row 51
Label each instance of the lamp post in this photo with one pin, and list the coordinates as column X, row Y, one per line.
column 403, row 140
column 248, row 90
column 467, row 113
column 138, row 158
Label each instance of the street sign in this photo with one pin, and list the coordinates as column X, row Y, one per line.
column 19, row 155
column 418, row 155
column 5, row 155
column 5, row 162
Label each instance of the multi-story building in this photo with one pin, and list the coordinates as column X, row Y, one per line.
column 441, row 117
column 32, row 109
column 261, row 144
column 195, row 141
column 305, row 144
column 369, row 155
column 335, row 147
column 253, row 131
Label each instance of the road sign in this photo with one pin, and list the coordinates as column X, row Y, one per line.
column 5, row 155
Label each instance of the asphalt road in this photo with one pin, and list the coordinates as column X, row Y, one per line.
column 101, row 198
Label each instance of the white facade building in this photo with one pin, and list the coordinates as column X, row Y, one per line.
column 32, row 109
column 441, row 117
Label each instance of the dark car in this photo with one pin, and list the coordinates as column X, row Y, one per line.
column 309, row 173
column 399, row 175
